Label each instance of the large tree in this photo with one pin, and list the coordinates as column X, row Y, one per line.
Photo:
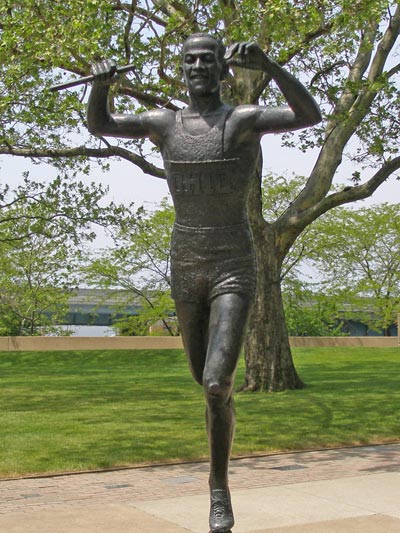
column 344, row 51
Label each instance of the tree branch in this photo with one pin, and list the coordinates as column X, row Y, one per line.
column 308, row 38
column 174, row 82
column 140, row 12
column 23, row 198
column 127, row 30
column 145, row 98
column 365, row 98
column 265, row 79
column 394, row 70
column 356, row 72
column 286, row 268
column 351, row 194
column 293, row 222
column 344, row 122
column 174, row 9
column 80, row 151
column 385, row 46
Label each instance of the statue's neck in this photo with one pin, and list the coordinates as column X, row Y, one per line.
column 204, row 105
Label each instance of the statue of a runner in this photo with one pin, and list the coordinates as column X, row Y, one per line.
column 210, row 152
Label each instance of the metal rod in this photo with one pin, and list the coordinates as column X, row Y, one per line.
column 86, row 79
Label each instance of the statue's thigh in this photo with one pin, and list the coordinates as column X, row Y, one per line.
column 227, row 328
column 193, row 321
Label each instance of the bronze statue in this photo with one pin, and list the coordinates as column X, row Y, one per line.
column 210, row 152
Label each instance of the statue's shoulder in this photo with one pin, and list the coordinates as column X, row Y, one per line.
column 162, row 115
column 159, row 121
column 243, row 111
column 243, row 117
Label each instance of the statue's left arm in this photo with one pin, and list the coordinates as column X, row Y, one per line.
column 302, row 110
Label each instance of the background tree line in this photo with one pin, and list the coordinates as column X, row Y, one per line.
column 44, row 231
column 346, row 266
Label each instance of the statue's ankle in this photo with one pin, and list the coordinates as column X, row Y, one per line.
column 221, row 513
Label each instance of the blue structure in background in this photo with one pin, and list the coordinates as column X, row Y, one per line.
column 97, row 307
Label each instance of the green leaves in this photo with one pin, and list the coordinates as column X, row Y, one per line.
column 43, row 231
column 358, row 255
column 45, row 42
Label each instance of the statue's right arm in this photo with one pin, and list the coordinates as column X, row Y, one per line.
column 103, row 123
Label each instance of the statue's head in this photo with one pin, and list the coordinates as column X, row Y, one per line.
column 203, row 64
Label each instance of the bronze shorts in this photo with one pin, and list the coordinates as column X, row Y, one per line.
column 209, row 261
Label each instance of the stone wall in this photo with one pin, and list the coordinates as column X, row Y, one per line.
column 169, row 343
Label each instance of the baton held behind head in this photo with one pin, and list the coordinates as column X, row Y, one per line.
column 86, row 79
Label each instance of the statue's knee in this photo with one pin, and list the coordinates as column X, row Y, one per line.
column 217, row 390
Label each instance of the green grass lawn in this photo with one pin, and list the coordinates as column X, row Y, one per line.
column 64, row 411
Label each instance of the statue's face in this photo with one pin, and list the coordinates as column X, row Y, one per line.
column 202, row 68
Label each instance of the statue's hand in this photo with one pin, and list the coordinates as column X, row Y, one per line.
column 105, row 71
column 247, row 55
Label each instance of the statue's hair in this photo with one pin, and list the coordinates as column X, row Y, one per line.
column 220, row 46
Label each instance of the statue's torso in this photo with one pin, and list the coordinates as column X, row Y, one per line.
column 209, row 174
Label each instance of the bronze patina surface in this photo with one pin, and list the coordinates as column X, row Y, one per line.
column 211, row 153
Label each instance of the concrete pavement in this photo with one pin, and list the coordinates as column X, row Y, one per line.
column 329, row 491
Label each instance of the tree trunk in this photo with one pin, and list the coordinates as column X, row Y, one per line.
column 269, row 362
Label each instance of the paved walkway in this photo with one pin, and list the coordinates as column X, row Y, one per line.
column 330, row 491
